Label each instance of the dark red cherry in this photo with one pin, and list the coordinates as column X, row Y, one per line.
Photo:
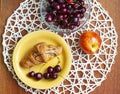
column 61, row 1
column 71, row 26
column 63, row 10
column 75, row 6
column 49, row 17
column 50, row 1
column 57, row 7
column 46, row 75
column 38, row 76
column 83, row 10
column 54, row 75
column 59, row 17
column 81, row 2
column 50, row 69
column 77, row 24
column 65, row 15
column 81, row 15
column 31, row 74
column 57, row 68
column 63, row 5
column 77, row 14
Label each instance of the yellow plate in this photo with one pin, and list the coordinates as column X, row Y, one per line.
column 26, row 43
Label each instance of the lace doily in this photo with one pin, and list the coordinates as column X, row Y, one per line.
column 87, row 71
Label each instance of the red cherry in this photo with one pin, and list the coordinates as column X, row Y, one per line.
column 70, row 1
column 31, row 74
column 57, row 68
column 38, row 76
column 50, row 69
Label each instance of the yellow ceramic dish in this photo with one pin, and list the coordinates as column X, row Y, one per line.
column 26, row 43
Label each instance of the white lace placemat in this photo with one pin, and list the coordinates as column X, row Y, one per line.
column 87, row 71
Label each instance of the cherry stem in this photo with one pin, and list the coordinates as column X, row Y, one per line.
column 58, row 60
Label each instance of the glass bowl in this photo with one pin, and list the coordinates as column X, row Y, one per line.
column 54, row 26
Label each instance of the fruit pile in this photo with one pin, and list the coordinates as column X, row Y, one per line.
column 65, row 13
column 52, row 72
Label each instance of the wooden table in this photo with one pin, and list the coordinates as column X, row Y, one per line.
column 110, row 86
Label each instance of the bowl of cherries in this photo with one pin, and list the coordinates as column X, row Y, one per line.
column 64, row 15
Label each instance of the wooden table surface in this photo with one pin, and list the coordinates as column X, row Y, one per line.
column 110, row 86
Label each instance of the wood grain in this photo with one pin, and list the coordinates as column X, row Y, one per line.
column 110, row 86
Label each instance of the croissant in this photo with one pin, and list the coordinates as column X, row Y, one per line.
column 40, row 53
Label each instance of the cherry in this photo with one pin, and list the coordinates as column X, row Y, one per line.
column 63, row 5
column 59, row 17
column 50, row 69
column 81, row 15
column 31, row 74
column 70, row 1
column 51, row 1
column 77, row 14
column 61, row 1
column 63, row 10
column 38, row 76
column 65, row 16
column 71, row 26
column 57, row 7
column 54, row 75
column 75, row 6
column 83, row 10
column 49, row 17
column 77, row 24
column 81, row 2
column 46, row 75
column 57, row 68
